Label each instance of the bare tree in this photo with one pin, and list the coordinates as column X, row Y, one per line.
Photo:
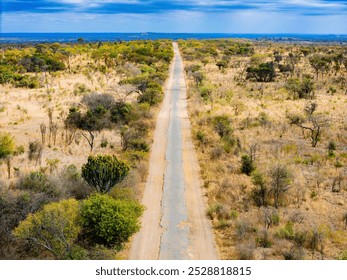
column 316, row 242
column 35, row 152
column 336, row 185
column 53, row 130
column 270, row 217
column 50, row 118
column 310, row 122
column 280, row 182
column 43, row 130
column 70, row 132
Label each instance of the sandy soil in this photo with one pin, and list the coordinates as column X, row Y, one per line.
column 146, row 244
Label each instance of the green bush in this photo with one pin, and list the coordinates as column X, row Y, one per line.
column 152, row 96
column 103, row 172
column 287, row 232
column 139, row 145
column 303, row 88
column 260, row 194
column 26, row 82
column 221, row 125
column 108, row 221
column 7, row 145
column 331, row 148
column 201, row 137
column 247, row 165
column 38, row 182
column 121, row 112
column 343, row 255
column 264, row 72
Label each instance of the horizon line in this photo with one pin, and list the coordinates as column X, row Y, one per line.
column 151, row 32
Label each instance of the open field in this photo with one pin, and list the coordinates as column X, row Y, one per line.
column 269, row 123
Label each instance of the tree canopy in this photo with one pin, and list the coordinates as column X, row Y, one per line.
column 55, row 227
column 264, row 72
column 108, row 221
column 7, row 145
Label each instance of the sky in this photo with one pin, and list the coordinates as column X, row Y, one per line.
column 187, row 16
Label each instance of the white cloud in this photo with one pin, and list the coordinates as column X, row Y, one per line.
column 180, row 21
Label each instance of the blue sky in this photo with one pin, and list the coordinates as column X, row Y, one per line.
column 222, row 16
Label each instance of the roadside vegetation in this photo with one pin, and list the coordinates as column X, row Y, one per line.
column 75, row 127
column 270, row 128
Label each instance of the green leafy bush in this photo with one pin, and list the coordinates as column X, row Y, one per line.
column 247, row 165
column 110, row 222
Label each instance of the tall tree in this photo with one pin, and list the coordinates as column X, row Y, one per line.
column 89, row 122
column 320, row 63
column 264, row 72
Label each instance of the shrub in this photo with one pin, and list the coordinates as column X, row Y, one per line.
column 110, row 222
column 287, row 232
column 95, row 100
column 139, row 145
column 343, row 255
column 201, row 137
column 102, row 173
column 264, row 240
column 280, row 182
column 260, row 194
column 35, row 151
column 70, row 179
column 301, row 88
column 121, row 112
column 331, row 148
column 247, row 165
column 26, row 81
column 221, row 125
column 38, row 182
column 205, row 92
column 152, row 96
column 7, row 145
column 264, row 72
column 217, row 210
column 245, row 251
column 222, row 64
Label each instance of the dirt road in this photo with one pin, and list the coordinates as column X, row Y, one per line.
column 174, row 225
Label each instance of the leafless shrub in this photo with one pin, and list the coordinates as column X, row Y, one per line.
column 53, row 131
column 294, row 253
column 35, row 152
column 43, row 130
column 245, row 251
column 297, row 217
column 243, row 228
column 217, row 152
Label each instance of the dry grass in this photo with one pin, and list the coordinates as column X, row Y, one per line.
column 257, row 113
column 22, row 111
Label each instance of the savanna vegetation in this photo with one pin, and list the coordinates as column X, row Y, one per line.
column 75, row 128
column 270, row 127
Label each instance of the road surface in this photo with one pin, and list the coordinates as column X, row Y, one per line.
column 174, row 224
